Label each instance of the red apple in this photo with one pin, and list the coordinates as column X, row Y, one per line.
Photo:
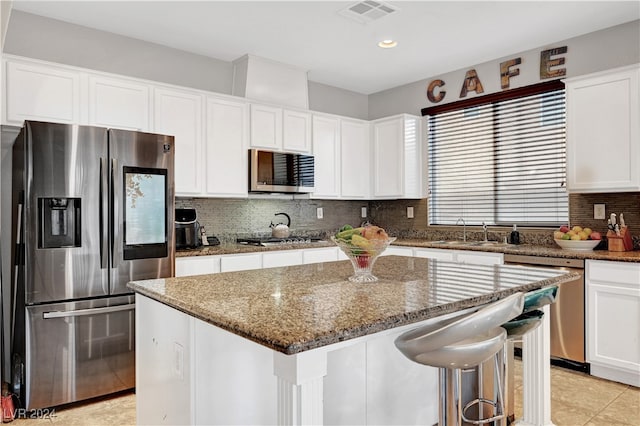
column 564, row 228
column 595, row 235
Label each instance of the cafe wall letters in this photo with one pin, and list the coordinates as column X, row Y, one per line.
column 508, row 69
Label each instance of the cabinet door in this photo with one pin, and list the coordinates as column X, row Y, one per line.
column 281, row 258
column 296, row 133
column 355, row 168
column 613, row 320
column 326, row 152
column 179, row 113
column 388, row 158
column 266, row 127
column 226, row 148
column 197, row 265
column 122, row 104
column 43, row 93
column 603, row 132
column 240, row 262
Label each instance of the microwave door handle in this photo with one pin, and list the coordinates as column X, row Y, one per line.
column 103, row 213
column 90, row 311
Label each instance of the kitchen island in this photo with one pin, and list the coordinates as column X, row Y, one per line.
column 302, row 344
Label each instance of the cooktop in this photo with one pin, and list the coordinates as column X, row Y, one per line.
column 271, row 241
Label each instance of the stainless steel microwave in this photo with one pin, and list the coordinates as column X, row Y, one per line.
column 271, row 171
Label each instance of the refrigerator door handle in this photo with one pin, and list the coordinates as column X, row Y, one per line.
column 90, row 311
column 114, row 216
column 104, row 216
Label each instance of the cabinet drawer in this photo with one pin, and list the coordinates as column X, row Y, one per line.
column 446, row 255
column 282, row 258
column 240, row 262
column 328, row 254
column 197, row 265
column 614, row 272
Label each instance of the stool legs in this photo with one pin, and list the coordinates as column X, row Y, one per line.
column 449, row 411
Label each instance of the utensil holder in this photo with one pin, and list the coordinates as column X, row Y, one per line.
column 622, row 242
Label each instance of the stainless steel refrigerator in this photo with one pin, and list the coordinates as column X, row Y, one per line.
column 92, row 210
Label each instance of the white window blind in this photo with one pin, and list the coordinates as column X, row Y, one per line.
column 501, row 162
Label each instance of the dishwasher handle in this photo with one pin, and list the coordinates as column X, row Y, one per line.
column 90, row 311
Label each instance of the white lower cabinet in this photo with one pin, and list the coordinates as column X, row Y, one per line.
column 281, row 258
column 197, row 265
column 438, row 254
column 398, row 251
column 613, row 320
column 240, row 262
column 319, row 255
column 460, row 256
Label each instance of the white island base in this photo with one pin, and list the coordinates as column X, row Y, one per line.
column 191, row 372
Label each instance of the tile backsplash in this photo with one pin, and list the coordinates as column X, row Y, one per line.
column 228, row 218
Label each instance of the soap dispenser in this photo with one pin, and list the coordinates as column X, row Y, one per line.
column 514, row 237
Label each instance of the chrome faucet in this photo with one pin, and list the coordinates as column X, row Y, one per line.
column 464, row 228
column 484, row 229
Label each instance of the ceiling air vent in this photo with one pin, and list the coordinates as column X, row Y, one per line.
column 368, row 11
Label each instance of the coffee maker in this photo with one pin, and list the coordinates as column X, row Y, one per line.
column 187, row 229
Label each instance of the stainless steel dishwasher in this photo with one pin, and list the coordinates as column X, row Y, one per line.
column 567, row 313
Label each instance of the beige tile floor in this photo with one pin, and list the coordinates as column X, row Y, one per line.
column 576, row 400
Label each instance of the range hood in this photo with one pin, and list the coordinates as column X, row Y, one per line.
column 270, row 81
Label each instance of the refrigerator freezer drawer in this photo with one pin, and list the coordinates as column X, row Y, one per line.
column 79, row 350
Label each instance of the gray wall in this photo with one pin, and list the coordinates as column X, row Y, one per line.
column 601, row 50
column 48, row 39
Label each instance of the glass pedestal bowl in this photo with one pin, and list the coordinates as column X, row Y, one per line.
column 363, row 258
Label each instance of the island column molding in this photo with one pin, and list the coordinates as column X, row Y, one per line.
column 536, row 375
column 300, row 386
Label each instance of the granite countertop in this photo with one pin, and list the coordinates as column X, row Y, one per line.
column 528, row 250
column 298, row 308
column 522, row 249
column 235, row 248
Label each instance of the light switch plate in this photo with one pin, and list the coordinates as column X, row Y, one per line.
column 598, row 211
column 410, row 212
column 363, row 212
column 320, row 212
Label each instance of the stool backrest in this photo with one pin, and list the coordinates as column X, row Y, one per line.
column 434, row 336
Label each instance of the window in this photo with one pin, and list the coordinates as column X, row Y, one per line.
column 499, row 159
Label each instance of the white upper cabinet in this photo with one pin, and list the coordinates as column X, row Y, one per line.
column 326, row 152
column 266, row 127
column 118, row 103
column 603, row 131
column 398, row 158
column 179, row 113
column 388, row 158
column 296, row 131
column 355, row 176
column 41, row 93
column 278, row 129
column 226, row 148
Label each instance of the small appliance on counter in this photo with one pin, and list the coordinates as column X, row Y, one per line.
column 187, row 229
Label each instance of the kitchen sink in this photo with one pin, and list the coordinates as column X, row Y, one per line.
column 450, row 242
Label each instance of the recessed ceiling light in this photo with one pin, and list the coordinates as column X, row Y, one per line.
column 387, row 44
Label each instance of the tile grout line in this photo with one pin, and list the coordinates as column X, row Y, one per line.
column 606, row 406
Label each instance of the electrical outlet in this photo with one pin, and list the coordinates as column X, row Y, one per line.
column 363, row 212
column 320, row 212
column 598, row 211
column 410, row 212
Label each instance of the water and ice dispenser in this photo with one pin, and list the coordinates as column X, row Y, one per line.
column 59, row 222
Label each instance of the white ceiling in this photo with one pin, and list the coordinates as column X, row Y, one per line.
column 433, row 37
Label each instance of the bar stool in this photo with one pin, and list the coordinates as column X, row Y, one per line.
column 529, row 320
column 461, row 343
